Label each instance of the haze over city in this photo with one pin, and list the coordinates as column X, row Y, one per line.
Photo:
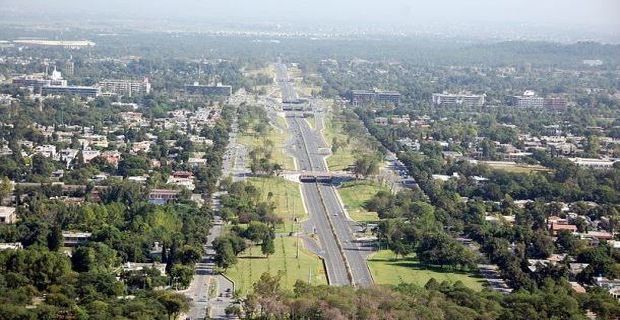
column 577, row 19
column 315, row 160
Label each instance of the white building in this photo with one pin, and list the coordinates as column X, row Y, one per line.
column 7, row 215
column 126, row 87
column 594, row 163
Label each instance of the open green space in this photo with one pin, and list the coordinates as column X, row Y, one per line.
column 252, row 264
column 344, row 157
column 277, row 137
column 356, row 194
column 287, row 198
column 517, row 168
column 386, row 269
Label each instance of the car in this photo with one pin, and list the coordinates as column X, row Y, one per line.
column 335, row 214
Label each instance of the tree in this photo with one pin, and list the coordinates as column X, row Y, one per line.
column 182, row 275
column 54, row 238
column 365, row 166
column 174, row 303
column 6, row 187
column 224, row 253
column 190, row 254
column 268, row 247
column 41, row 165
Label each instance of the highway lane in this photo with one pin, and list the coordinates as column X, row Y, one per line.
column 335, row 264
column 352, row 249
column 343, row 256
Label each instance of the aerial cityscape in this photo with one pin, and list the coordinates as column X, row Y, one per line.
column 310, row 160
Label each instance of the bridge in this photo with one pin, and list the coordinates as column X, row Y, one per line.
column 316, row 176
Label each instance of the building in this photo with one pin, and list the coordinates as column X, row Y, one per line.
column 69, row 67
column 7, row 215
column 126, row 87
column 366, row 96
column 387, row 97
column 74, row 239
column 11, row 246
column 71, row 90
column 594, row 163
column 162, row 196
column 37, row 82
column 555, row 103
column 454, row 100
column 529, row 99
column 31, row 82
column 362, row 96
column 208, row 90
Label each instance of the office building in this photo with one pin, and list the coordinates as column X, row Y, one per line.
column 455, row 100
column 69, row 67
column 529, row 99
column 126, row 87
column 555, row 103
column 387, row 96
column 38, row 82
column 71, row 90
column 208, row 90
column 368, row 96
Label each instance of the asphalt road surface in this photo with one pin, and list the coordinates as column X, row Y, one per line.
column 332, row 212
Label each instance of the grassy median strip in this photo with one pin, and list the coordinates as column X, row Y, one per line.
column 387, row 269
column 344, row 157
column 356, row 194
column 287, row 198
column 277, row 137
column 252, row 264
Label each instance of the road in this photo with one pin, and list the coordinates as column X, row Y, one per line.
column 205, row 276
column 344, row 256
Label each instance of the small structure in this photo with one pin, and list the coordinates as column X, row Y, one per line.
column 7, row 215
column 74, row 239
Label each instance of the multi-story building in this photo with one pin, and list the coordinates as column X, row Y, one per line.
column 71, row 90
column 367, row 96
column 529, row 99
column 37, row 82
column 74, row 239
column 387, row 96
column 555, row 103
column 454, row 100
column 362, row 96
column 208, row 90
column 126, row 87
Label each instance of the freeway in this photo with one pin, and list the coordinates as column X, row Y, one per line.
column 344, row 256
column 313, row 161
column 335, row 263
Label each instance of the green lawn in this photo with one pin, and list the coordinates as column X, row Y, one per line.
column 344, row 157
column 518, row 168
column 278, row 137
column 387, row 270
column 252, row 264
column 287, row 198
column 355, row 194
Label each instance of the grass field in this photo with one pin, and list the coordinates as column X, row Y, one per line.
column 386, row 269
column 278, row 137
column 287, row 198
column 344, row 157
column 252, row 264
column 517, row 168
column 355, row 194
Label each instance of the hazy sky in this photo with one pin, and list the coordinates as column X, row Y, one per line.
column 604, row 14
